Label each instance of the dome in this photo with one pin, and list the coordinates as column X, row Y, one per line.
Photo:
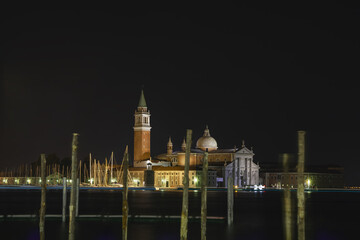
column 206, row 141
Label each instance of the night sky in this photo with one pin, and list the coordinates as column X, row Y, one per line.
column 257, row 73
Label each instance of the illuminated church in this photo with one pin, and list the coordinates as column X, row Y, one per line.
column 167, row 169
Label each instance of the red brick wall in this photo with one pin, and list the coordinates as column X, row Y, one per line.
column 141, row 145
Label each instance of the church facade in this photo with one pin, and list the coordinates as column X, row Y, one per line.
column 168, row 168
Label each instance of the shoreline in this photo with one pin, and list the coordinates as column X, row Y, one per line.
column 60, row 187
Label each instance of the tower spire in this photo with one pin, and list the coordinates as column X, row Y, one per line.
column 183, row 145
column 142, row 102
column 169, row 146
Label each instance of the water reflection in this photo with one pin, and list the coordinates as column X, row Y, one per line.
column 257, row 215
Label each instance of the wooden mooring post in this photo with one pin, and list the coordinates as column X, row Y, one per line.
column 185, row 200
column 230, row 200
column 300, row 188
column 287, row 219
column 43, row 198
column 125, row 207
column 72, row 207
column 64, row 200
column 77, row 197
column 204, row 180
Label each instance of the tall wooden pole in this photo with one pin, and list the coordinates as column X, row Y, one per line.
column 77, row 197
column 80, row 171
column 230, row 199
column 204, row 181
column 300, row 189
column 125, row 207
column 72, row 207
column 185, row 200
column 287, row 202
column 43, row 198
column 64, row 200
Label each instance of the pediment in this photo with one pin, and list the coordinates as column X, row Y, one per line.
column 245, row 150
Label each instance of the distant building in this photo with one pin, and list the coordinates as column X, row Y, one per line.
column 169, row 167
column 326, row 176
column 141, row 132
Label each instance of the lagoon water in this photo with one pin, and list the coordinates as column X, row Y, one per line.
column 257, row 215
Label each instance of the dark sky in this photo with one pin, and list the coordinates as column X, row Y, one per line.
column 253, row 72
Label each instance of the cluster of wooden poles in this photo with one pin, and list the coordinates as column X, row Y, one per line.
column 288, row 233
column 73, row 194
column 125, row 207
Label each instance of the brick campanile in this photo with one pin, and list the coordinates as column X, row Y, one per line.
column 141, row 132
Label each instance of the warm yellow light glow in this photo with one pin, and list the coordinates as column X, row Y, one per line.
column 308, row 182
column 28, row 181
column 195, row 180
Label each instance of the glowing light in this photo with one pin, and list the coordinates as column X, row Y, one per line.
column 113, row 180
column 195, row 180
column 28, row 180
column 259, row 187
column 236, row 186
column 308, row 182
column 5, row 180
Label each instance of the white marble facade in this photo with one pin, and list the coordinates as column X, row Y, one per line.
column 243, row 168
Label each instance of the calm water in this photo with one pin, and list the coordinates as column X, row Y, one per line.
column 258, row 215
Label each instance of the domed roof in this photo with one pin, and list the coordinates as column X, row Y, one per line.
column 206, row 141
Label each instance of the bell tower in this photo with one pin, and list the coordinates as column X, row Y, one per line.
column 169, row 147
column 141, row 133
